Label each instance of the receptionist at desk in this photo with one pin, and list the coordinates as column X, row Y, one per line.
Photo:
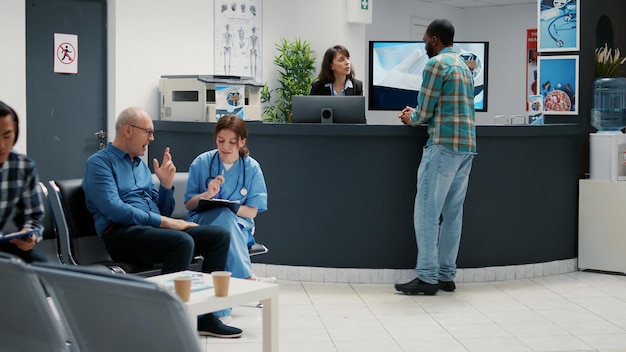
column 336, row 76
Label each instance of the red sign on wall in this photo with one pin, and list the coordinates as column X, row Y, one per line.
column 531, row 67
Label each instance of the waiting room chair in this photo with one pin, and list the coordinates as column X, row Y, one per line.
column 27, row 320
column 48, row 246
column 122, row 313
column 77, row 234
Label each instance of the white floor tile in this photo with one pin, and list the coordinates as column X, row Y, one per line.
column 556, row 343
column 494, row 344
column 606, row 342
column 576, row 311
column 476, row 330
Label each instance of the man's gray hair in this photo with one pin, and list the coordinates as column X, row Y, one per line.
column 129, row 116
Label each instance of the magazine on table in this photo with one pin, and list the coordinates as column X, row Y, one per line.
column 197, row 281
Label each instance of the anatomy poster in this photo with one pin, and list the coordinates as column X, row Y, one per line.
column 558, row 25
column 558, row 84
column 238, row 38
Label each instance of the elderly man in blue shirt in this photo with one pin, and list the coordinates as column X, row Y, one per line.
column 132, row 216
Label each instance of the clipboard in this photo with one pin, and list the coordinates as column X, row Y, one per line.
column 19, row 234
column 208, row 204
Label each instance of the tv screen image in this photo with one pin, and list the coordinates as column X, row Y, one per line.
column 328, row 109
column 396, row 67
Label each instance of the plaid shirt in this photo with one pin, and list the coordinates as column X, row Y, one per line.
column 446, row 103
column 19, row 195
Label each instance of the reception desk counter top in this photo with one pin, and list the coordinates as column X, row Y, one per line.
column 342, row 195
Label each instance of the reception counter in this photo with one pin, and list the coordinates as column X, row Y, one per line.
column 341, row 196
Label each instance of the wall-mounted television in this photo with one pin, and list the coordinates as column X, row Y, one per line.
column 395, row 75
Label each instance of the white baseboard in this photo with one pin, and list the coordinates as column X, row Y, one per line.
column 390, row 276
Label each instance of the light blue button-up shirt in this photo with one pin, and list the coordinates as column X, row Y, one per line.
column 121, row 191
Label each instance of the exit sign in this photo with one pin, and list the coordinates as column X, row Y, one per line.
column 364, row 4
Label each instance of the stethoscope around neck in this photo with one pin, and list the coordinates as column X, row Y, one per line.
column 243, row 191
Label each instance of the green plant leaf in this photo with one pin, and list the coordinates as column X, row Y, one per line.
column 296, row 62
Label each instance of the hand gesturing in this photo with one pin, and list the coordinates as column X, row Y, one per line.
column 166, row 170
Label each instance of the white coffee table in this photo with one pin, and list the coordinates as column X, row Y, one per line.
column 241, row 291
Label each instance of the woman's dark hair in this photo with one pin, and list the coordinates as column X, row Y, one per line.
column 326, row 74
column 5, row 111
column 442, row 29
column 235, row 124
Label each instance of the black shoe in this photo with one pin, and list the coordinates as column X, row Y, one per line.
column 447, row 286
column 210, row 325
column 417, row 286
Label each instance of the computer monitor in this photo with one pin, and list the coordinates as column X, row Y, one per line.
column 328, row 109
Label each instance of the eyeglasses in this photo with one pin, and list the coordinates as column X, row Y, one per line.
column 149, row 133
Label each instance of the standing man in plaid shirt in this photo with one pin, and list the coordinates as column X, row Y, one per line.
column 20, row 200
column 446, row 104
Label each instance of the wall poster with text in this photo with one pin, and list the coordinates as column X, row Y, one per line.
column 557, row 83
column 557, row 25
column 238, row 38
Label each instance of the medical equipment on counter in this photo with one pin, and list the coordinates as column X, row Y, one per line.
column 193, row 98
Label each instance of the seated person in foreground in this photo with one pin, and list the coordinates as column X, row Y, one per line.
column 131, row 215
column 336, row 76
column 229, row 173
column 19, row 196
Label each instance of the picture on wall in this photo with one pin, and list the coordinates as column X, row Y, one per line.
column 557, row 24
column 238, row 38
column 558, row 84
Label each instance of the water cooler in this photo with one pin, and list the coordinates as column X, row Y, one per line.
column 602, row 198
column 607, row 147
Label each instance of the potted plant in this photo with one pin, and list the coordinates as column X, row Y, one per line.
column 607, row 61
column 296, row 68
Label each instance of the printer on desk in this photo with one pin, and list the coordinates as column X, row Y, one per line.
column 194, row 97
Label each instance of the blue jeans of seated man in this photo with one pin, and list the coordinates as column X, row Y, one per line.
column 172, row 248
column 442, row 179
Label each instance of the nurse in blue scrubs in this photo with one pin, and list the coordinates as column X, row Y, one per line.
column 229, row 173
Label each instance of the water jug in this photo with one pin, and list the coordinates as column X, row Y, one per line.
column 608, row 112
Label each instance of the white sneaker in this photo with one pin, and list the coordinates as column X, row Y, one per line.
column 267, row 280
column 226, row 320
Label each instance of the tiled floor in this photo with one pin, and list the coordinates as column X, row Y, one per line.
column 578, row 311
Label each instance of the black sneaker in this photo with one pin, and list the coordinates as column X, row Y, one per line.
column 210, row 325
column 417, row 286
column 447, row 286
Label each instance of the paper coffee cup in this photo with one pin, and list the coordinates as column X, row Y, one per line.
column 221, row 281
column 182, row 287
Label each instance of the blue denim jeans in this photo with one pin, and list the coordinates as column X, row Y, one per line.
column 442, row 180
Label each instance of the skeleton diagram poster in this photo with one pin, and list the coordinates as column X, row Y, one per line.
column 238, row 38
